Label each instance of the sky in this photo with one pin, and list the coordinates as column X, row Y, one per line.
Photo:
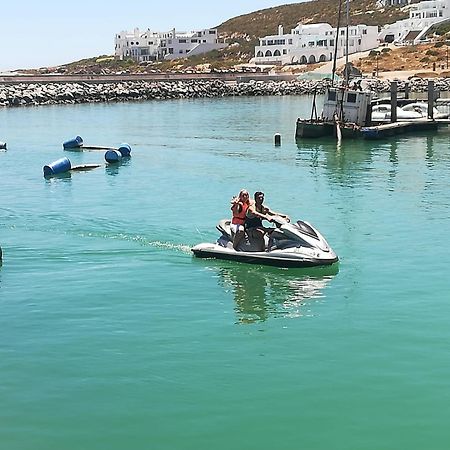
column 47, row 33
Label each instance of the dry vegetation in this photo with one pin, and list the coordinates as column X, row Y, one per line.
column 432, row 58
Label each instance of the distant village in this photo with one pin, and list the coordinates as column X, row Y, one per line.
column 304, row 44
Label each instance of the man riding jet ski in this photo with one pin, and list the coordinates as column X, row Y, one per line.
column 296, row 244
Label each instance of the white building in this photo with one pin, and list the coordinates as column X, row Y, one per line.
column 154, row 46
column 313, row 43
column 384, row 3
column 422, row 16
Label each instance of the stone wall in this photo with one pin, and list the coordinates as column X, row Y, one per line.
column 29, row 94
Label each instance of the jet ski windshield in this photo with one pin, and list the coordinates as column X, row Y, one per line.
column 306, row 228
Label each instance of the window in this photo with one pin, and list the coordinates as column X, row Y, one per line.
column 284, row 51
column 182, row 41
column 259, row 54
column 289, row 41
column 193, row 40
column 331, row 42
column 171, row 50
column 181, row 51
column 364, row 31
column 332, row 96
column 351, row 98
column 212, row 31
column 276, row 53
column 268, row 53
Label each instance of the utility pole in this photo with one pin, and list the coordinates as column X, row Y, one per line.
column 446, row 51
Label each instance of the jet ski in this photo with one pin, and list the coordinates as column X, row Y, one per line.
column 296, row 244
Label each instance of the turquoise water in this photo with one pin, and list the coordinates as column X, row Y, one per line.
column 112, row 336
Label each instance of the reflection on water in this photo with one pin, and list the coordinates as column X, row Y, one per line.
column 60, row 177
column 113, row 168
column 350, row 162
column 343, row 161
column 260, row 292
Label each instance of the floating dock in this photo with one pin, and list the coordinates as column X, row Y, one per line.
column 393, row 129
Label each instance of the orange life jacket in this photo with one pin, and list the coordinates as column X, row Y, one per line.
column 239, row 217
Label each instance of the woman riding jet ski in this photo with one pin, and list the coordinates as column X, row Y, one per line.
column 289, row 245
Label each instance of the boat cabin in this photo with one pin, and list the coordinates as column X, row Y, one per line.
column 350, row 106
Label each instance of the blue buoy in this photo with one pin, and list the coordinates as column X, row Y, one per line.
column 113, row 156
column 125, row 150
column 56, row 167
column 73, row 143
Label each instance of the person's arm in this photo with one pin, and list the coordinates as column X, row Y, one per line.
column 252, row 210
column 269, row 212
column 235, row 205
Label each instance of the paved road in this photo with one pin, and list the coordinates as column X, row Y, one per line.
column 229, row 77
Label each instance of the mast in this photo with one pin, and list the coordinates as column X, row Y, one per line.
column 347, row 75
column 336, row 42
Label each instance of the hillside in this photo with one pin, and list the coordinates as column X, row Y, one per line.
column 246, row 29
column 242, row 33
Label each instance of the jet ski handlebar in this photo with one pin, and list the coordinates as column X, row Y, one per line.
column 278, row 221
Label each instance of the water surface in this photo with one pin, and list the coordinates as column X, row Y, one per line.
column 112, row 336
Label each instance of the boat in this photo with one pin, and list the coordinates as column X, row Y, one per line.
column 422, row 108
column 296, row 244
column 381, row 113
column 344, row 110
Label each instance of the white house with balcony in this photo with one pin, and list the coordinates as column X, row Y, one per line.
column 156, row 46
column 422, row 16
column 307, row 44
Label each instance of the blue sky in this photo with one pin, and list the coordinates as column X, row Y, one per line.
column 45, row 33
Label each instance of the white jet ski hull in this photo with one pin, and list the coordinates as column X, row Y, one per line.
column 297, row 257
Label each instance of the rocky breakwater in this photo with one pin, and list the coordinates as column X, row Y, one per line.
column 29, row 94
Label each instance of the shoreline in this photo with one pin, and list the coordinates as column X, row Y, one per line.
column 63, row 92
